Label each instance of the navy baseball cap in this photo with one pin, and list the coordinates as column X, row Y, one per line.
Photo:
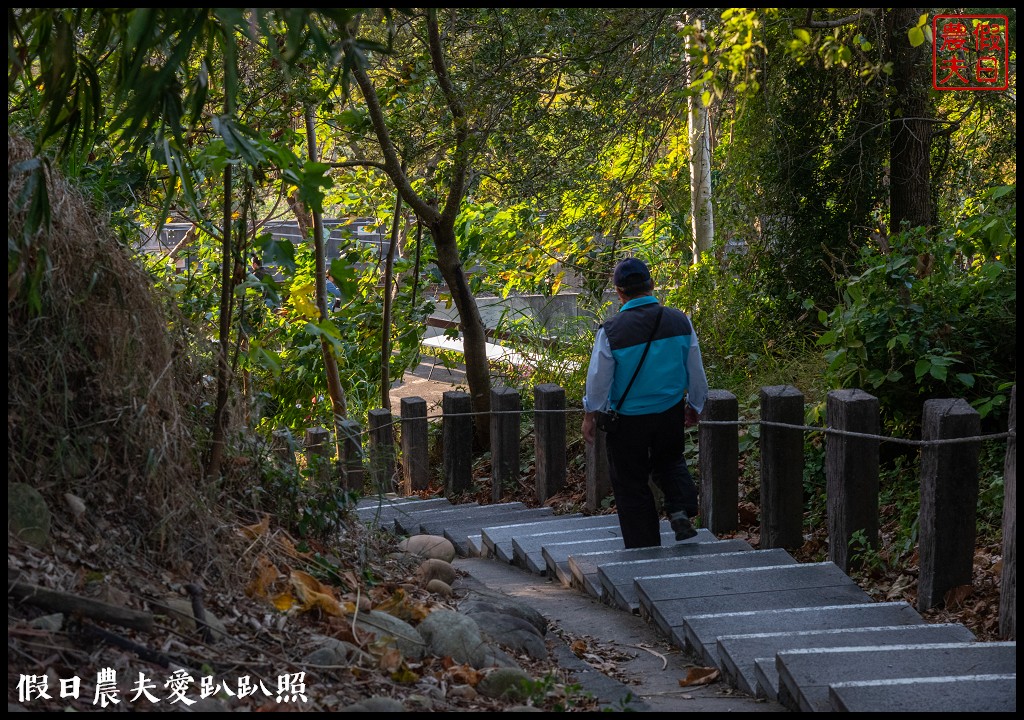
column 630, row 272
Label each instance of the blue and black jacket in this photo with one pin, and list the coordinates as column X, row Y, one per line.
column 672, row 370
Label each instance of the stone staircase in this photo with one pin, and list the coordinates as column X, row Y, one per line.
column 802, row 634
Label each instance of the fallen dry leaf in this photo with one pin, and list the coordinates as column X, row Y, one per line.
column 390, row 659
column 287, row 545
column 314, row 594
column 700, row 676
column 258, row 530
column 956, row 597
column 266, row 575
column 465, row 675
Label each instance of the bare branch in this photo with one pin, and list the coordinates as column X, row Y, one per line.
column 848, row 20
column 460, row 165
column 359, row 163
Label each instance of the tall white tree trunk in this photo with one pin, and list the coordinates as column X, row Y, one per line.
column 701, row 209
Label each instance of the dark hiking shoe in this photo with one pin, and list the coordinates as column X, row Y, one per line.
column 683, row 527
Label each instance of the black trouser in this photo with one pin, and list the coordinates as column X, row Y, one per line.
column 650, row 447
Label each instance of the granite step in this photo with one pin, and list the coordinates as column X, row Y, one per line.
column 582, row 567
column 805, row 675
column 382, row 510
column 409, row 523
column 667, row 600
column 617, row 580
column 527, row 552
column 497, row 540
column 699, row 633
column 738, row 653
column 558, row 556
column 459, row 531
column 974, row 694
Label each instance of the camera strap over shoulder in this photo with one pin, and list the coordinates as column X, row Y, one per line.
column 657, row 322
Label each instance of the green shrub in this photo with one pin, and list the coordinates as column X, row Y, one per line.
column 931, row 317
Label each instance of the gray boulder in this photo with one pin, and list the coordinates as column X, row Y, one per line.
column 452, row 634
column 512, row 632
column 507, row 683
column 409, row 641
column 429, row 546
column 28, row 516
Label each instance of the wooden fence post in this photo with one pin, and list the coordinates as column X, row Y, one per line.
column 599, row 480
column 318, row 450
column 382, row 450
column 549, row 439
column 283, row 447
column 1008, row 587
column 719, row 463
column 415, row 435
column 782, row 468
column 949, row 500
column 506, row 423
column 457, row 439
column 851, row 472
column 351, row 459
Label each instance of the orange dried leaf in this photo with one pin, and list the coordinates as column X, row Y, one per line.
column 465, row 675
column 314, row 594
column 396, row 600
column 699, row 676
column 390, row 659
column 258, row 530
column 284, row 601
column 957, row 596
column 288, row 547
column 266, row 575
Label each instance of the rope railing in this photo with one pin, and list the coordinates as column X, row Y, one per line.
column 719, row 423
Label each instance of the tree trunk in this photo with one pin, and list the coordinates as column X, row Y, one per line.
column 701, row 209
column 910, row 116
column 334, row 389
column 218, row 437
column 442, row 222
column 474, row 336
column 389, row 296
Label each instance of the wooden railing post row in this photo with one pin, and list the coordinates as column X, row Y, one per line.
column 549, row 439
column 1008, row 586
column 351, row 459
column 457, row 441
column 382, row 451
column 949, row 500
column 851, row 472
column 506, row 423
column 415, row 438
column 782, row 468
column 719, row 463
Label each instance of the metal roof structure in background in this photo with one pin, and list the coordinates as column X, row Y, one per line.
column 364, row 230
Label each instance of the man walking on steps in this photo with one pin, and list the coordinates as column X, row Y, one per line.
column 662, row 398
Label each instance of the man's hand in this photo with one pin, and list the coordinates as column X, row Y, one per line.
column 590, row 427
column 691, row 417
